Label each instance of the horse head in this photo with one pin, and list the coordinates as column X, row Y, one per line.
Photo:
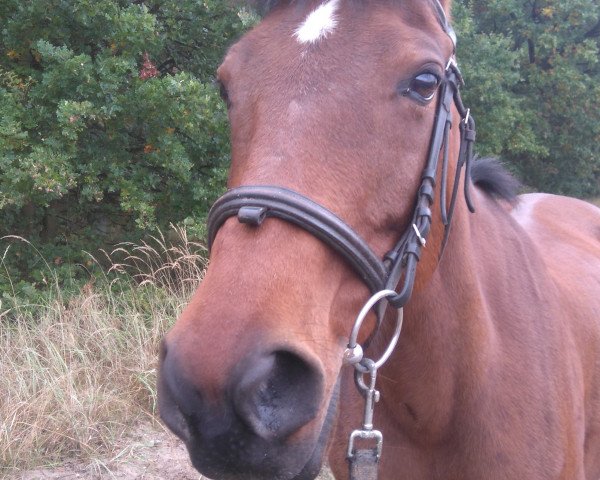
column 336, row 101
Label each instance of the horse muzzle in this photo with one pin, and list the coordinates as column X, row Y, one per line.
column 264, row 423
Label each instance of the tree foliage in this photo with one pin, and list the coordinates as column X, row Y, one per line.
column 110, row 124
column 108, row 114
column 533, row 79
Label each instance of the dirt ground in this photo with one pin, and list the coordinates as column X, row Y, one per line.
column 150, row 453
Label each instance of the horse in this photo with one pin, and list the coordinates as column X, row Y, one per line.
column 353, row 185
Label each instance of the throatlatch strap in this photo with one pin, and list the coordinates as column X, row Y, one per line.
column 363, row 465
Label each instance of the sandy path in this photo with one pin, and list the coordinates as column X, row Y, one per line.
column 149, row 454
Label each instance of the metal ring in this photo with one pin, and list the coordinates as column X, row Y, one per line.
column 352, row 343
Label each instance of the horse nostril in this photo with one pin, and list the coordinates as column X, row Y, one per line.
column 277, row 393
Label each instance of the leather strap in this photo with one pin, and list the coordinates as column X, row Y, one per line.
column 402, row 259
column 363, row 465
column 443, row 19
column 253, row 204
column 269, row 201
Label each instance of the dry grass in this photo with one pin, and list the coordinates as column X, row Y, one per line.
column 74, row 375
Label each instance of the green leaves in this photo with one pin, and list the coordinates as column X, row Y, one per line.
column 108, row 115
column 533, row 81
column 109, row 122
column 107, row 109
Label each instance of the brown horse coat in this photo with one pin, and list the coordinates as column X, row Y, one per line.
column 496, row 372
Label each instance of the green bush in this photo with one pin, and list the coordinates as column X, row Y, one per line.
column 533, row 82
column 109, row 121
column 108, row 113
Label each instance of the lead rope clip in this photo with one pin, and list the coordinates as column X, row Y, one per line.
column 364, row 461
column 371, row 395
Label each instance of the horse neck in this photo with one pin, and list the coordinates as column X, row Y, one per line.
column 444, row 336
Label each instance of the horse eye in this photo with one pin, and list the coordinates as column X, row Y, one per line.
column 423, row 86
column 223, row 92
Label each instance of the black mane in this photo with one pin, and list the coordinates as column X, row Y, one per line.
column 495, row 180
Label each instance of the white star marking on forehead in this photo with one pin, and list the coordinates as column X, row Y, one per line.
column 321, row 22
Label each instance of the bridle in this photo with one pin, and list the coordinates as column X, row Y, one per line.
column 253, row 204
column 393, row 276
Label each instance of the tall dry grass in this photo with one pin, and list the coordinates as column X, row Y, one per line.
column 76, row 373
